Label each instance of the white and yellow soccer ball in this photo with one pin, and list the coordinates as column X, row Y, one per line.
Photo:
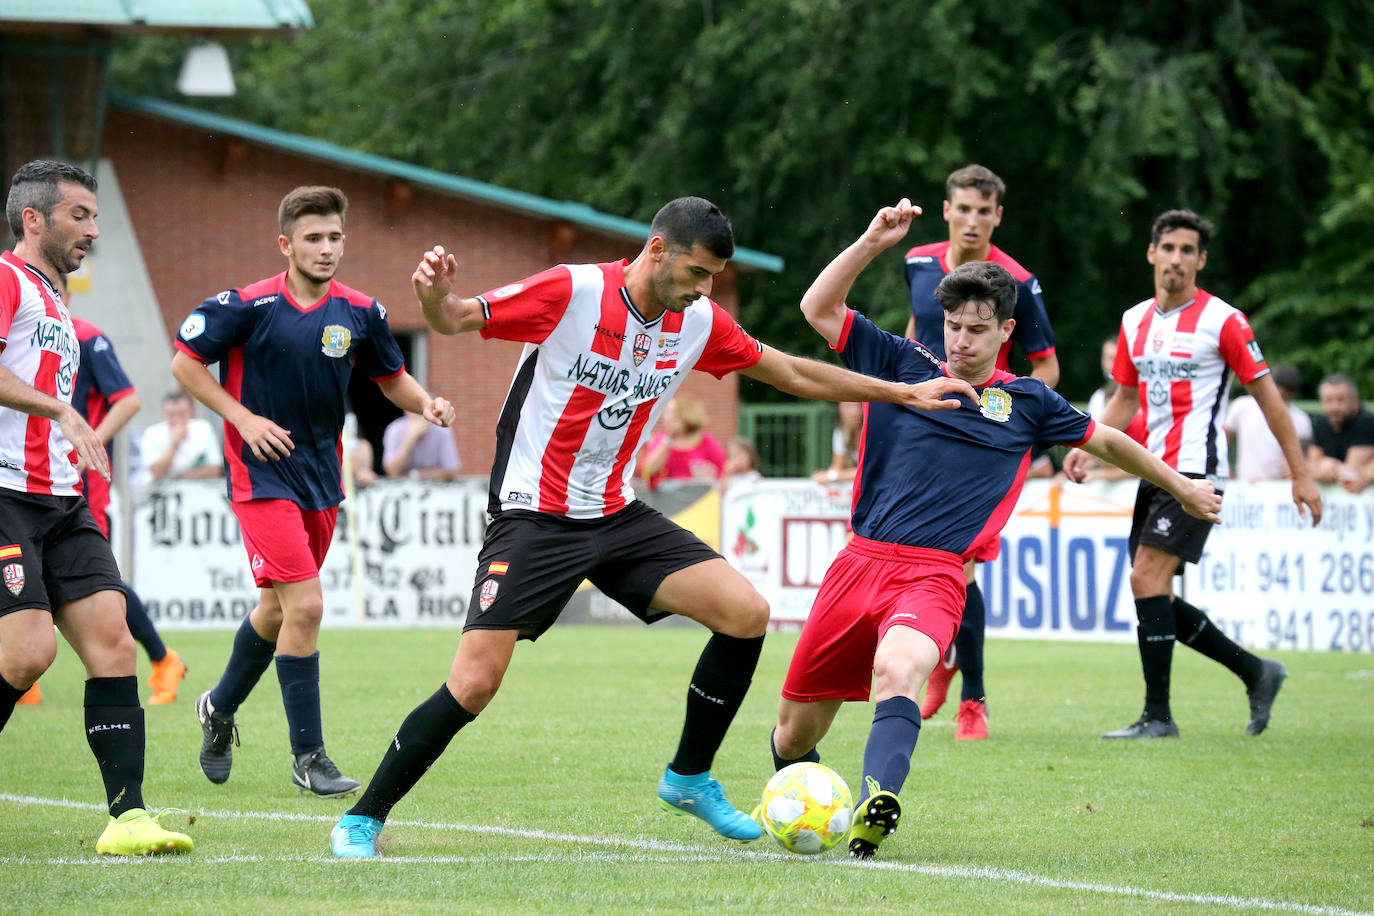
column 807, row 808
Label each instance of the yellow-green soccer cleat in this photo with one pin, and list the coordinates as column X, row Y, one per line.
column 137, row 833
column 874, row 820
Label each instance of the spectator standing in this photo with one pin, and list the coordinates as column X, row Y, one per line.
column 683, row 450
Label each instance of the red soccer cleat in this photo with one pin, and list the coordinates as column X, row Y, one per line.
column 971, row 721
column 937, row 687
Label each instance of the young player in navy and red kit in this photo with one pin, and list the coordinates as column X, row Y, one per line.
column 1175, row 355
column 606, row 346
column 55, row 563
column 106, row 399
column 931, row 490
column 973, row 209
column 286, row 347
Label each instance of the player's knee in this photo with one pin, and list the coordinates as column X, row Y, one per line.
column 307, row 613
column 750, row 620
column 898, row 674
column 790, row 742
column 25, row 664
column 474, row 687
column 1147, row 581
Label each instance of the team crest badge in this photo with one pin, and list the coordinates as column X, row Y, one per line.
column 488, row 593
column 1157, row 339
column 641, row 348
column 335, row 340
column 14, row 578
column 995, row 404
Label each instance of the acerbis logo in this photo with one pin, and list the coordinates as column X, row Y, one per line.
column 263, row 300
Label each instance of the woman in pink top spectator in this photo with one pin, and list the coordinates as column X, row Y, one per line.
column 681, row 451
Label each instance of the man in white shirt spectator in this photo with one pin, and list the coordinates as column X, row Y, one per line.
column 1258, row 455
column 183, row 446
column 413, row 446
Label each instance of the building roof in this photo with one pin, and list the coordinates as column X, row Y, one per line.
column 470, row 189
column 161, row 15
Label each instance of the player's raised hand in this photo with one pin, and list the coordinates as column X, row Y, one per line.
column 890, row 224
column 1200, row 500
column 433, row 278
column 90, row 451
column 939, row 394
column 266, row 439
column 440, row 412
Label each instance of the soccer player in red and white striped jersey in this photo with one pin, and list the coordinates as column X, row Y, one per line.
column 606, row 346
column 1175, row 356
column 54, row 560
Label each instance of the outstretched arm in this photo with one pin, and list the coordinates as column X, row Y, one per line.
column 265, row 438
column 445, row 311
column 1266, row 395
column 811, row 378
column 1197, row 497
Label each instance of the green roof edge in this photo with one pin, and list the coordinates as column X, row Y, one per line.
column 532, row 204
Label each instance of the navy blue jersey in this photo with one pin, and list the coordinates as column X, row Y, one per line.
column 925, row 268
column 290, row 363
column 946, row 480
column 99, row 382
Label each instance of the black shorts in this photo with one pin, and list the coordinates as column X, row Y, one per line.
column 531, row 563
column 1160, row 522
column 51, row 552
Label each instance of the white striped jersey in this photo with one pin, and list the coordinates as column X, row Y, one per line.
column 41, row 349
column 1181, row 362
column 592, row 380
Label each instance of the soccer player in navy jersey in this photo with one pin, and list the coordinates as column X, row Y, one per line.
column 932, row 488
column 606, row 347
column 1175, row 356
column 973, row 209
column 286, row 347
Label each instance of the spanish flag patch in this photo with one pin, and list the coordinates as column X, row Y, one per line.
column 10, row 552
column 498, row 569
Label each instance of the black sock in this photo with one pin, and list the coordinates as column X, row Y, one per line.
column 719, row 683
column 141, row 625
column 1155, row 636
column 891, row 741
column 968, row 645
column 1196, row 630
column 248, row 660
column 9, row 695
column 421, row 740
column 114, row 730
column 811, row 756
column 299, row 676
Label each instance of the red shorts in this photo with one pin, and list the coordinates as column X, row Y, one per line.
column 986, row 553
column 285, row 543
column 872, row 586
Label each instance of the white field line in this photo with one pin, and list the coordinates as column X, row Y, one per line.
column 670, row 853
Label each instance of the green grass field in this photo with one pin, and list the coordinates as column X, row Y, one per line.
column 546, row 803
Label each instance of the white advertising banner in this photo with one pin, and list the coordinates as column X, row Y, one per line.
column 415, row 558
column 1267, row 577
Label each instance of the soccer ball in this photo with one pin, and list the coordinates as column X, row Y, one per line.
column 807, row 808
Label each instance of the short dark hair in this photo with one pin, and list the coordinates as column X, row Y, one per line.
column 35, row 186
column 176, row 394
column 688, row 221
column 310, row 200
column 1340, row 378
column 981, row 179
column 1170, row 220
column 1288, row 377
column 979, row 281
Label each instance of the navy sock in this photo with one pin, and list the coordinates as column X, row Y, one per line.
column 248, row 660
column 421, row 740
column 9, row 695
column 299, row 676
column 719, row 683
column 891, row 741
column 1155, row 636
column 811, row 756
column 968, row 645
column 141, row 625
column 1196, row 630
column 114, row 731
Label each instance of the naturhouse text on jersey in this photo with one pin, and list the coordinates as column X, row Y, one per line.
column 54, row 336
column 610, row 379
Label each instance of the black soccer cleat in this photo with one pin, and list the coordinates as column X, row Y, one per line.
column 1262, row 694
column 314, row 772
column 1146, row 726
column 216, row 756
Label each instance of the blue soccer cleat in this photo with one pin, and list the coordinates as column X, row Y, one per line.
column 703, row 797
column 355, row 837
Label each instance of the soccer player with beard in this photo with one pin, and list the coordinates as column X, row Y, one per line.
column 286, row 347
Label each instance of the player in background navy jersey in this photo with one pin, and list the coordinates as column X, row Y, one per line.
column 973, row 209
column 286, row 347
column 931, row 489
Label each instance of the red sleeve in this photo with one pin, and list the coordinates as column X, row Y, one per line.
column 1123, row 369
column 9, row 301
column 1239, row 349
column 728, row 348
column 529, row 310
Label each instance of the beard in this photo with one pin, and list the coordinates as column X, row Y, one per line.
column 59, row 254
